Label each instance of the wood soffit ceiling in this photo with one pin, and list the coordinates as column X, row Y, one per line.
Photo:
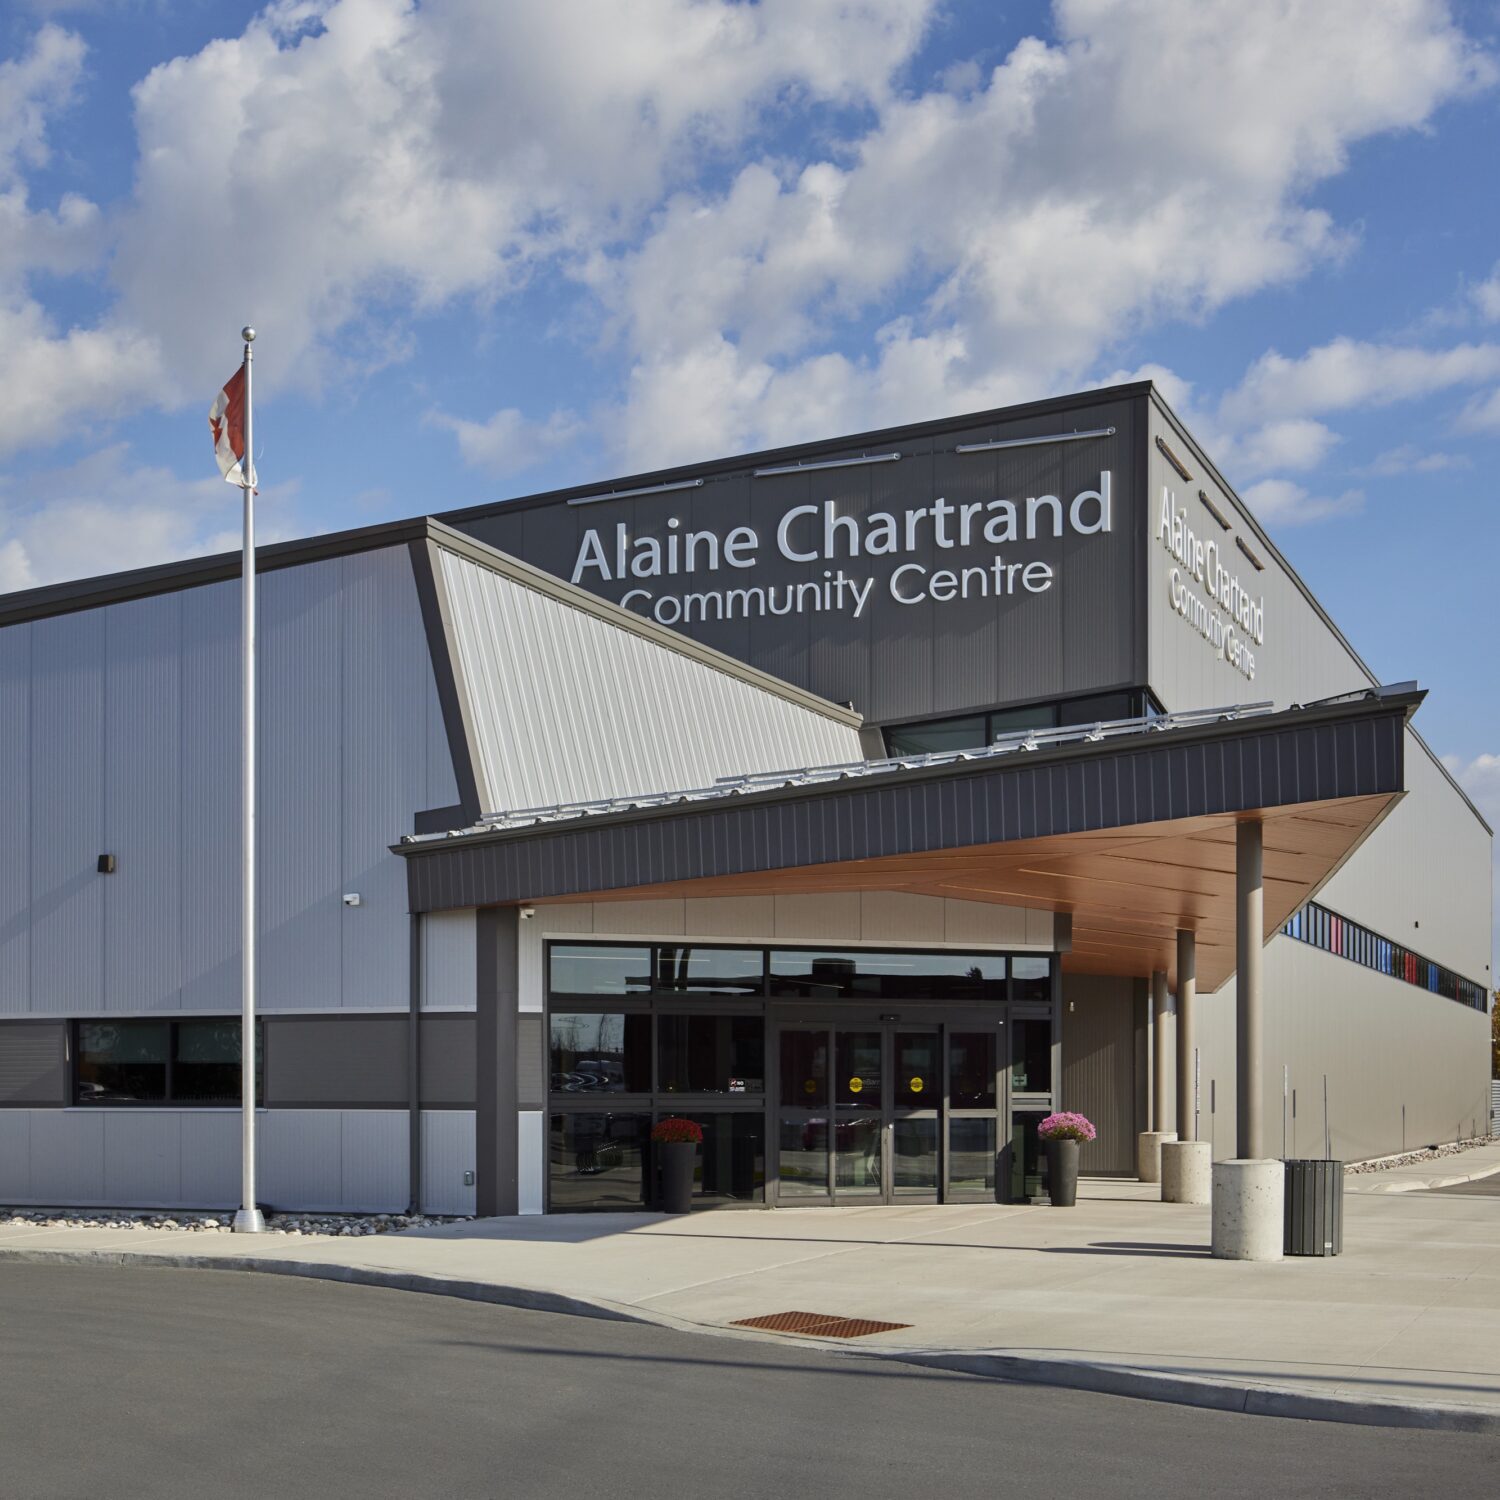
column 1128, row 890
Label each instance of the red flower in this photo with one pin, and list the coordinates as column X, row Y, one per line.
column 674, row 1130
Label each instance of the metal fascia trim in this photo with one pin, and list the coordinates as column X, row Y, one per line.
column 827, row 463
column 649, row 489
column 1031, row 442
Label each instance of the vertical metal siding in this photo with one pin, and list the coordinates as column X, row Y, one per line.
column 143, row 805
column 15, row 1155
column 568, row 706
column 67, row 1156
column 449, row 972
column 375, row 1160
column 211, row 1158
column 67, row 796
column 15, row 819
column 1098, row 1067
column 142, row 1157
column 447, row 1153
column 301, row 1158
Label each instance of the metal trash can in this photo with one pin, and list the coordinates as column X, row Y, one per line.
column 1314, row 1213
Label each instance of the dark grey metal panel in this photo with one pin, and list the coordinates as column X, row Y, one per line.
column 33, row 1063
column 324, row 1062
column 1351, row 751
column 495, row 1113
column 531, row 1063
column 902, row 660
column 448, row 1072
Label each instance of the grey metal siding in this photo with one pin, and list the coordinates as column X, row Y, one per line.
column 531, row 1063
column 902, row 661
column 1098, row 1062
column 448, row 960
column 565, row 705
column 336, row 1061
column 449, row 1077
column 1405, row 1068
column 1267, row 763
column 120, row 735
column 447, row 1158
column 33, row 1063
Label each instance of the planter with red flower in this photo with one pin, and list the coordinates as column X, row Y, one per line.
column 676, row 1141
column 1062, row 1134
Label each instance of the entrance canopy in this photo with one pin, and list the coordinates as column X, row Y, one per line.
column 1127, row 830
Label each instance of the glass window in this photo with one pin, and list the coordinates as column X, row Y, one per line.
column 592, row 969
column 814, row 975
column 711, row 1054
column 802, row 1157
column 597, row 1161
column 1033, row 978
column 710, row 971
column 206, row 1062
column 857, row 1156
column 857, row 1074
column 971, row 1069
column 123, row 1061
column 936, row 735
column 1028, row 1162
column 1101, row 707
column 1031, row 1055
column 1033, row 716
column 971, row 1156
column 918, row 1081
column 601, row 1052
column 731, row 1164
column 804, row 1069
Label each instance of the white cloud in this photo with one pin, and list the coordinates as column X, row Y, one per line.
column 1280, row 502
column 1485, row 296
column 106, row 513
column 1034, row 222
column 1481, row 413
column 508, row 442
column 1409, row 459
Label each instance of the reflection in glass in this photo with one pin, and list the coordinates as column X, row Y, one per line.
column 856, row 1161
column 914, row 1155
column 1028, row 1160
column 1033, row 978
column 804, row 1068
column 857, row 1071
column 830, row 974
column 122, row 1060
column 597, row 1161
column 919, row 1083
column 710, row 971
column 206, row 1062
column 971, row 1156
column 936, row 734
column 802, row 1158
column 605, row 1052
column 1031, row 1055
column 594, row 969
column 971, row 1069
column 711, row 1054
column 732, row 1159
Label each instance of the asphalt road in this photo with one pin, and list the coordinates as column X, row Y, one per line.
column 129, row 1382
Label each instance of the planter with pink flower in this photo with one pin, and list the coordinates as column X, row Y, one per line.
column 1062, row 1134
column 676, row 1142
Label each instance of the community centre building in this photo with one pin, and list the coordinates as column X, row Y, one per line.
column 863, row 801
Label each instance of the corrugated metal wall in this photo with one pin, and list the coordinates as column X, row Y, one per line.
column 1405, row 1067
column 448, row 1153
column 1098, row 1062
column 566, row 706
column 119, row 733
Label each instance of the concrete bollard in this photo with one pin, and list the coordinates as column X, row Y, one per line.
column 1247, row 1209
column 1186, row 1172
column 1148, row 1153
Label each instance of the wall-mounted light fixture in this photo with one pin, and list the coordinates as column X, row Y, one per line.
column 351, row 898
column 106, row 864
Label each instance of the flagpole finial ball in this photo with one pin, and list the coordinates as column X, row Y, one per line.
column 248, row 334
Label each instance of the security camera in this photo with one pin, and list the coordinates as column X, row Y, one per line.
column 351, row 898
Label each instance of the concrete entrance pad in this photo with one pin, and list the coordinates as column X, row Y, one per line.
column 1119, row 1293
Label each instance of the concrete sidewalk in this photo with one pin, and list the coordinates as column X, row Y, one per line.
column 1118, row 1294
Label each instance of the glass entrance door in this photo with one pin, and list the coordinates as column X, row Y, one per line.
column 860, row 1113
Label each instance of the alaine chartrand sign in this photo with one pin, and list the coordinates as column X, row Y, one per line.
column 1229, row 619
column 680, row 576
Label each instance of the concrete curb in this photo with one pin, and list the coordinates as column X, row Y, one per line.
column 1246, row 1397
column 1425, row 1184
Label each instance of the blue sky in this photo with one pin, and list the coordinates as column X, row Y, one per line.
column 496, row 248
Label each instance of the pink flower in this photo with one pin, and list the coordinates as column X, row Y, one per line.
column 1066, row 1126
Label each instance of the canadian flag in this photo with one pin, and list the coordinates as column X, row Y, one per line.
column 226, row 420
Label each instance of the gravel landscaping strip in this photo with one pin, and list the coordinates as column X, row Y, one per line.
column 1414, row 1158
column 223, row 1223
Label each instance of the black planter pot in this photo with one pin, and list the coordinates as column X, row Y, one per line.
column 1062, row 1173
column 677, row 1161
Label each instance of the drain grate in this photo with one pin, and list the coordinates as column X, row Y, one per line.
column 817, row 1325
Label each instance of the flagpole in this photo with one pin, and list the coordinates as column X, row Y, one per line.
column 249, row 1219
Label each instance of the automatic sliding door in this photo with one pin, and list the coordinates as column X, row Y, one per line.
column 973, row 1093
column 803, row 1159
column 915, row 1118
column 859, row 1092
